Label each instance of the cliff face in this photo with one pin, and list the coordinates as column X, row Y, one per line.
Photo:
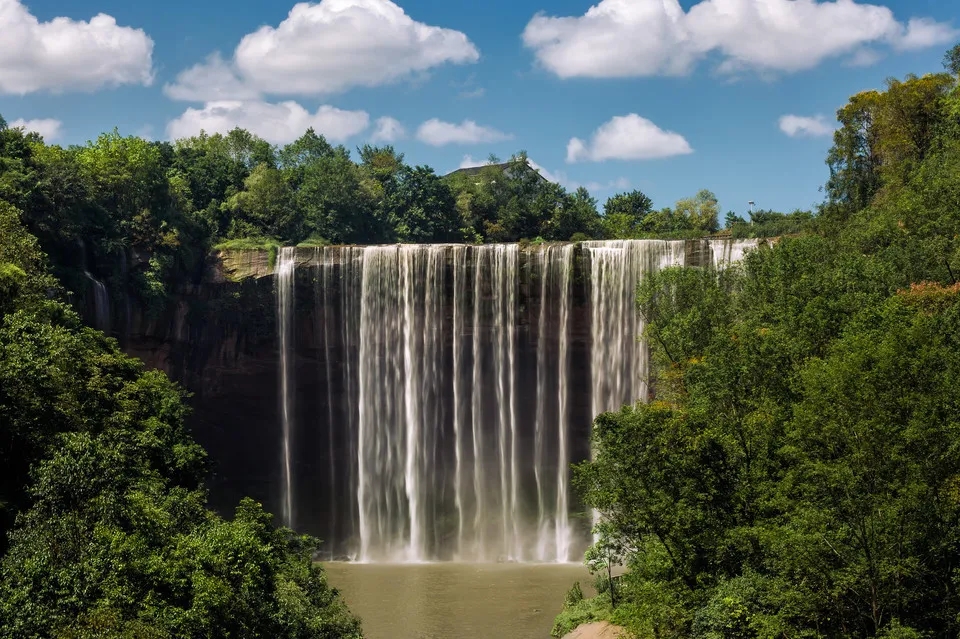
column 219, row 338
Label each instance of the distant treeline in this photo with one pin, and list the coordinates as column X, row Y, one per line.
column 165, row 204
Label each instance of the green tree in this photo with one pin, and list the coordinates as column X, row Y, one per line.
column 112, row 534
column 951, row 60
column 424, row 208
column 576, row 216
column 624, row 214
column 265, row 207
column 700, row 212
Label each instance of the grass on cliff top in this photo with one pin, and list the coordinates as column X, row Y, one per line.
column 248, row 244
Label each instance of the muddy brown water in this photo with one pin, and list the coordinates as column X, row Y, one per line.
column 456, row 600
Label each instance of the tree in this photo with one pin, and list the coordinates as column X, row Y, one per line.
column 701, row 211
column 624, row 214
column 125, row 174
column 265, row 207
column 854, row 158
column 112, row 535
column 732, row 219
column 305, row 150
column 951, row 60
column 424, row 208
column 576, row 216
column 609, row 550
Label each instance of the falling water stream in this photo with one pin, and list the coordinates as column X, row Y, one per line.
column 286, row 269
column 456, row 387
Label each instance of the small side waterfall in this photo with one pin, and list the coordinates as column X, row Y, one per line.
column 101, row 298
column 456, row 386
column 101, row 302
column 286, row 269
column 620, row 361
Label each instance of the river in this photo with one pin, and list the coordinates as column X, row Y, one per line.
column 456, row 600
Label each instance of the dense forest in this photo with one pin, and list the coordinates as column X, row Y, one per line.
column 142, row 215
column 797, row 471
column 104, row 528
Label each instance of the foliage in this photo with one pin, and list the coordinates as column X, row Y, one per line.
column 141, row 217
column 102, row 510
column 765, row 223
column 577, row 613
column 795, row 473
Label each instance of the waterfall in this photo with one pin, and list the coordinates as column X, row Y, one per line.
column 459, row 327
column 457, row 385
column 564, row 534
column 552, row 423
column 323, row 292
column 101, row 298
column 286, row 271
column 101, row 302
column 619, row 362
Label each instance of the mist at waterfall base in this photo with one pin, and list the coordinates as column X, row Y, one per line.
column 458, row 384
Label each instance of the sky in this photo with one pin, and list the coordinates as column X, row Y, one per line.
column 665, row 96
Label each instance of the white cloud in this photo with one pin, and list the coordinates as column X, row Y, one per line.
column 387, row 129
column 619, row 184
column 803, row 126
column 324, row 48
column 924, row 32
column 65, row 54
column 212, row 80
column 439, row 133
column 628, row 137
column 557, row 177
column 864, row 58
column 561, row 178
column 46, row 127
column 277, row 123
column 468, row 162
column 628, row 38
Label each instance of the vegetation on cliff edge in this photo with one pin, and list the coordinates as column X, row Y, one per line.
column 104, row 530
column 796, row 472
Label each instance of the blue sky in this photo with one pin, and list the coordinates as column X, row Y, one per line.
column 664, row 96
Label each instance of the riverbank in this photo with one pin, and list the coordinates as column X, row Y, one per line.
column 597, row 630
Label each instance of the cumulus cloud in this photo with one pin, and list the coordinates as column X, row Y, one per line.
column 388, row 129
column 804, row 126
column 628, row 38
column 65, row 54
column 325, row 48
column 557, row 177
column 49, row 128
column 627, row 137
column 277, row 123
column 921, row 33
column 212, row 80
column 439, row 133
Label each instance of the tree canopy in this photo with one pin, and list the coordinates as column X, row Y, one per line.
column 795, row 473
column 104, row 530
